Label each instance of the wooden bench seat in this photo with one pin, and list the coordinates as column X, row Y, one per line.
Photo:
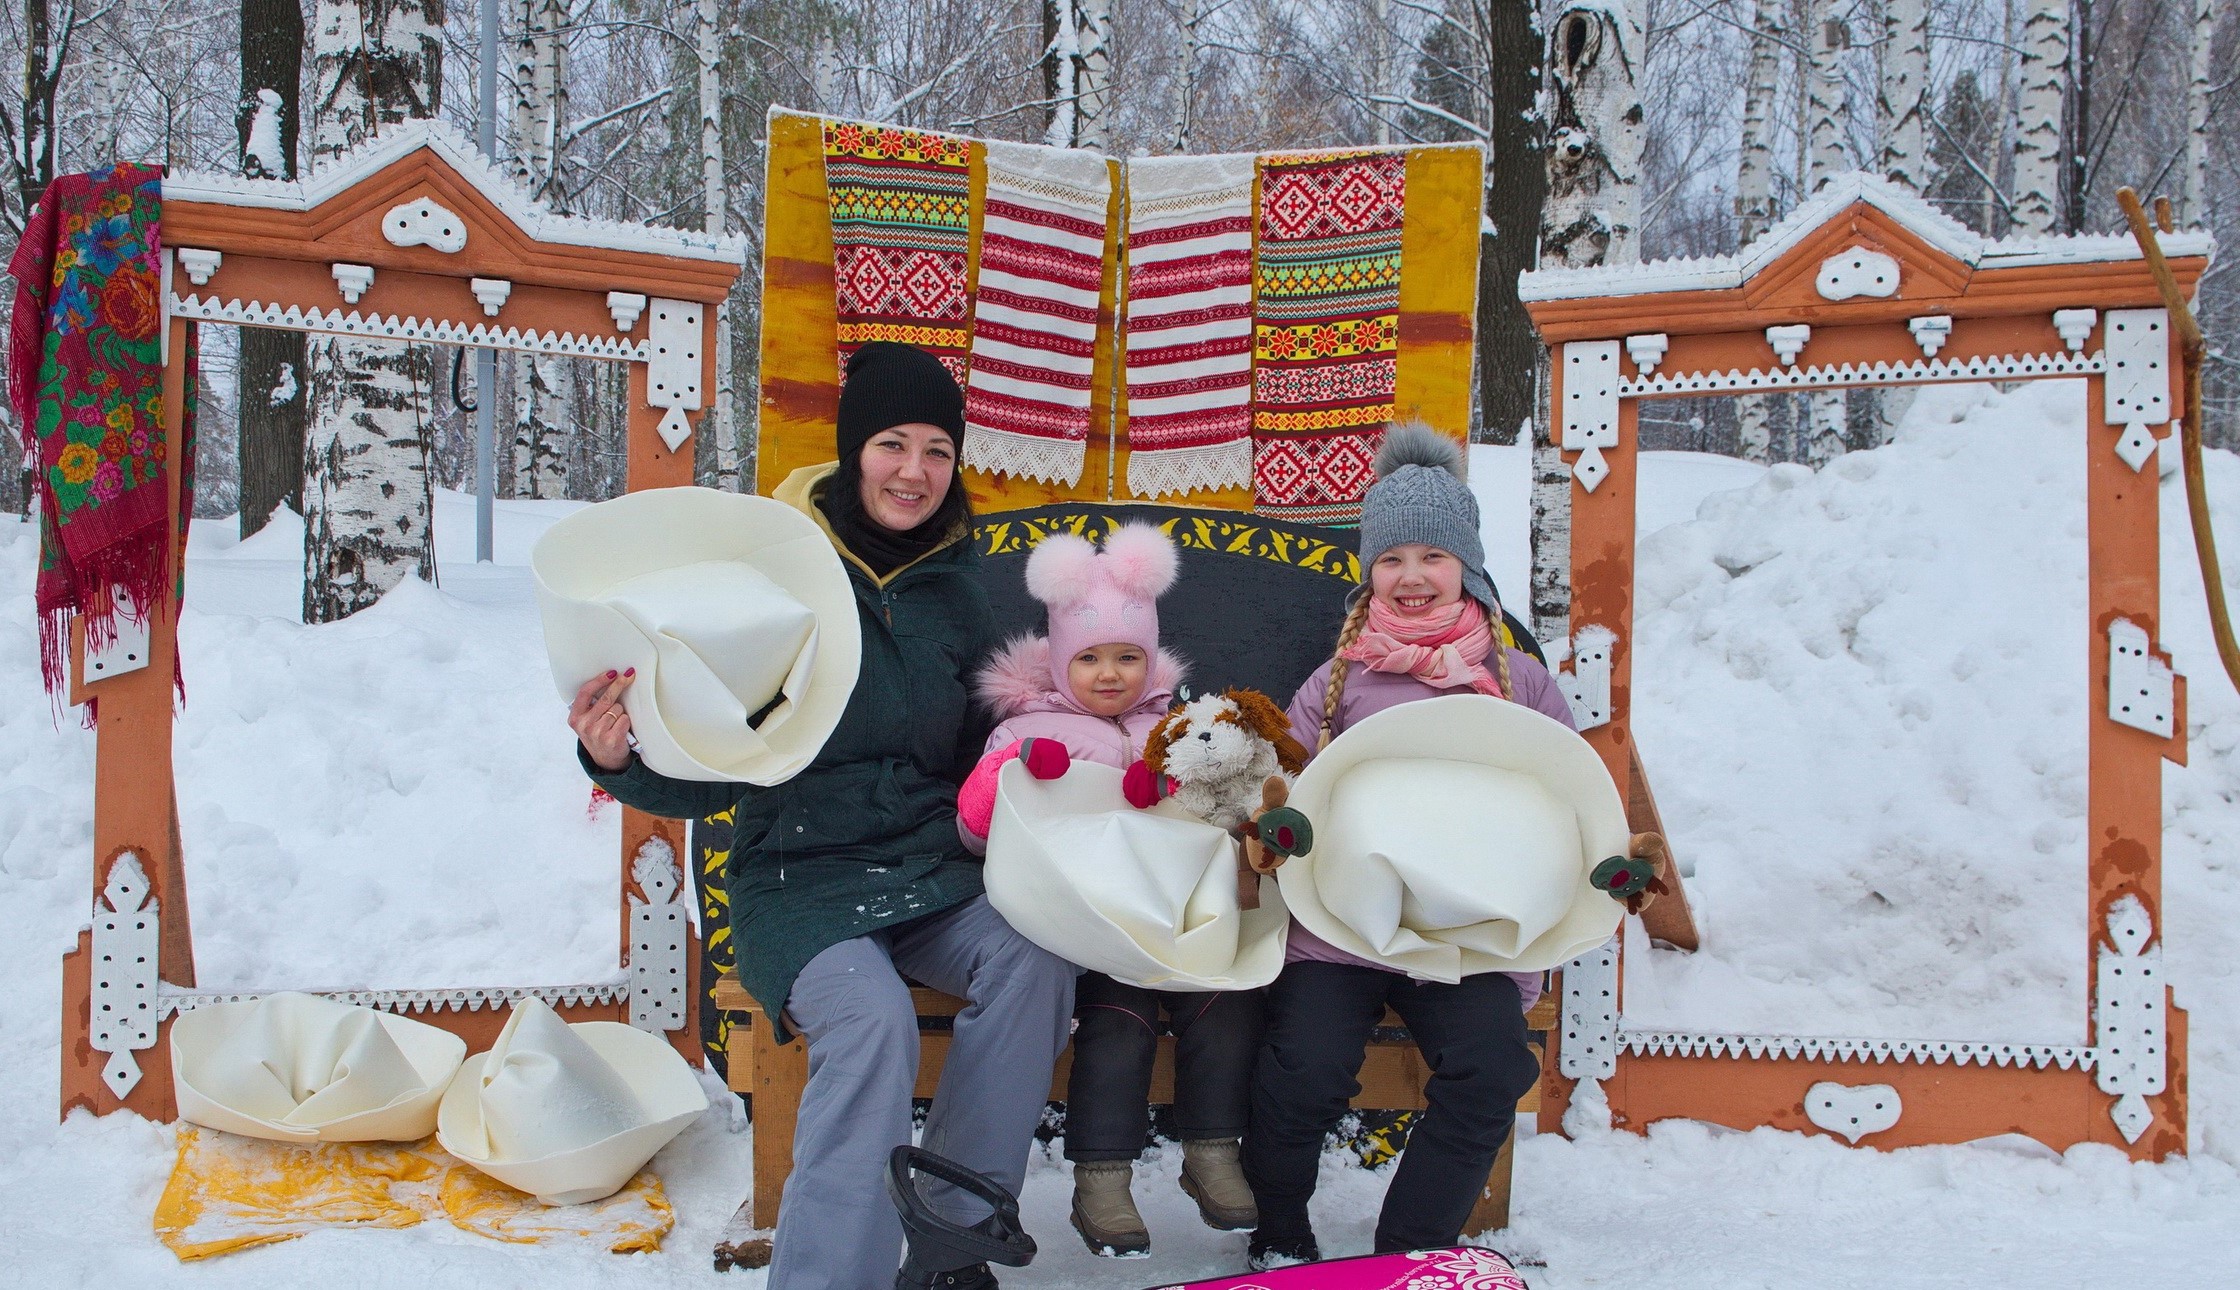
column 773, row 1075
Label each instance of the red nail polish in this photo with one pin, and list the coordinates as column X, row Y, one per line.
column 610, row 674
column 631, row 672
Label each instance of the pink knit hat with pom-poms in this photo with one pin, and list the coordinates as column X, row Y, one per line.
column 1101, row 599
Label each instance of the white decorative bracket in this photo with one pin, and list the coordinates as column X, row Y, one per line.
column 2137, row 388
column 199, row 264
column 1857, row 272
column 127, row 651
column 659, row 936
column 2075, row 327
column 624, row 307
column 1586, row 686
column 2142, row 689
column 2129, row 1026
column 491, row 293
column 1788, row 342
column 421, row 222
column 1590, row 407
column 1930, row 332
column 353, row 279
column 1648, row 350
column 1852, row 1111
column 122, row 1002
column 673, row 366
column 1589, row 1016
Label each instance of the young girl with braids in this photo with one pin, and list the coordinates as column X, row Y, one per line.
column 1425, row 623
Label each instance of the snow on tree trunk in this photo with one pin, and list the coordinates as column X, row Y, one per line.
column 44, row 51
column 1092, row 123
column 2199, row 85
column 1594, row 175
column 273, row 363
column 708, row 45
column 540, row 453
column 1828, row 37
column 1754, row 178
column 1077, row 72
column 1905, row 87
column 2038, row 117
column 366, row 491
column 1594, row 140
column 1061, row 72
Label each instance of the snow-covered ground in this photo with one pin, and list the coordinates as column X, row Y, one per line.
column 1859, row 697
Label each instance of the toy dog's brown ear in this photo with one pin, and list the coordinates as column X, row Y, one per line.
column 1155, row 744
column 1260, row 714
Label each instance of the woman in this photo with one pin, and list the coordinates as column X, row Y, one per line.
column 851, row 876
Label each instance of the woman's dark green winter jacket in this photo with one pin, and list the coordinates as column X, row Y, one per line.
column 866, row 836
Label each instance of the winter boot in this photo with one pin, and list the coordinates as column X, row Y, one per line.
column 1270, row 1251
column 1105, row 1213
column 1212, row 1177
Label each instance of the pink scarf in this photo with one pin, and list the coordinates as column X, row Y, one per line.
column 1446, row 650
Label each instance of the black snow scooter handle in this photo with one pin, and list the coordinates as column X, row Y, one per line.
column 937, row 1245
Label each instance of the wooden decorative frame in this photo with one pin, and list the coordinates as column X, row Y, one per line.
column 411, row 237
column 1866, row 285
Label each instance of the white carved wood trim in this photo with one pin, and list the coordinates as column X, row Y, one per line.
column 1647, row 350
column 1857, row 272
column 1934, row 1052
column 1586, row 682
column 1930, row 332
column 127, row 650
column 1852, row 1111
column 122, row 1008
column 673, row 366
column 2137, row 350
column 466, row 999
column 1588, row 1049
column 2074, row 326
column 2142, row 688
column 1996, row 367
column 491, row 294
column 1789, row 341
column 257, row 313
column 353, row 279
column 199, row 264
column 660, row 938
column 2130, row 1028
column 624, row 307
column 422, row 222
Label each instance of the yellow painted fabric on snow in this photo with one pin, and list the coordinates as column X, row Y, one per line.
column 228, row 1193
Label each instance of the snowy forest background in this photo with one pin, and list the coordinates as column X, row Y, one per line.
column 2013, row 116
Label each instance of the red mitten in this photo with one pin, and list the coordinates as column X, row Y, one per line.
column 1143, row 789
column 1044, row 758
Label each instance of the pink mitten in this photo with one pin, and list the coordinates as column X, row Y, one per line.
column 976, row 798
column 1045, row 758
column 1142, row 788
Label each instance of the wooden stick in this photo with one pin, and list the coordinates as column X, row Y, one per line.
column 2190, row 347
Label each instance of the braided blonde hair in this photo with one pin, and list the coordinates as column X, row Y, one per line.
column 1356, row 619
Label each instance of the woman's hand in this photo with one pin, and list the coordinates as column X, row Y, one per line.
column 599, row 721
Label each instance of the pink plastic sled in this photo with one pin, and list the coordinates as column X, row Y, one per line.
column 1462, row 1268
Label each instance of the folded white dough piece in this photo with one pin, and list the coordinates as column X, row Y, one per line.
column 1146, row 897
column 1454, row 836
column 567, row 1112
column 297, row 1067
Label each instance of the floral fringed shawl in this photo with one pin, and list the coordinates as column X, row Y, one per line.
column 85, row 378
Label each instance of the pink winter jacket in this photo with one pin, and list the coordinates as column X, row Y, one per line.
column 1367, row 693
column 1015, row 686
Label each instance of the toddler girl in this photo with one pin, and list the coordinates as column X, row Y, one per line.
column 1092, row 689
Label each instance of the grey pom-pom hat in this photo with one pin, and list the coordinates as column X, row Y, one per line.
column 1420, row 496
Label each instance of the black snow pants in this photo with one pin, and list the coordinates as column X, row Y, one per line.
column 1320, row 1015
column 1115, row 1039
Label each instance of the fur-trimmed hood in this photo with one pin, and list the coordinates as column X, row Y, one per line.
column 1016, row 680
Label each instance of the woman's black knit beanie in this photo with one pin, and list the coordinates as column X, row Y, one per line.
column 890, row 384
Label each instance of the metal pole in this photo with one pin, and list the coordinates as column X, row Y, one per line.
column 486, row 360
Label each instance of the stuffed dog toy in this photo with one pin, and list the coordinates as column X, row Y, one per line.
column 1226, row 758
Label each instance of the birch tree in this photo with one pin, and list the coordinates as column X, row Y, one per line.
column 1078, row 75
column 32, row 137
column 1594, row 174
column 273, row 369
column 707, row 44
column 2200, row 84
column 2038, row 116
column 1754, row 189
column 1903, row 102
column 367, row 498
column 1828, row 37
column 540, row 381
